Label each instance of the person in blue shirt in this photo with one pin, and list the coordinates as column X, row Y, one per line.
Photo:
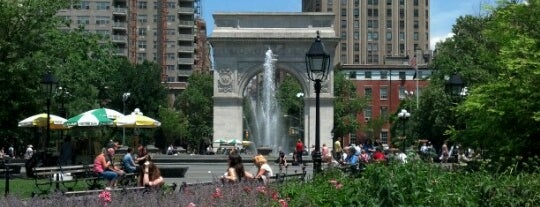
column 128, row 163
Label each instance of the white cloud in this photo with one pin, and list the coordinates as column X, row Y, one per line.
column 435, row 39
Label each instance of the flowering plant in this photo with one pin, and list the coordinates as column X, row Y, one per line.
column 105, row 197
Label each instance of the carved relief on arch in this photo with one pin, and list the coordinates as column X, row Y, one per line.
column 225, row 80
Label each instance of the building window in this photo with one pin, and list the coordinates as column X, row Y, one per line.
column 384, row 75
column 388, row 2
column 356, row 12
column 85, row 5
column 356, row 59
column 416, row 24
column 401, row 13
column 352, row 75
column 401, row 24
column 356, row 47
column 353, row 138
column 402, row 48
column 170, row 67
column 343, row 35
column 402, row 75
column 384, row 111
column 384, row 137
column 368, row 93
column 170, row 56
column 170, row 79
column 343, row 23
column 356, row 35
column 102, row 5
column 367, row 113
column 102, row 20
column 401, row 92
column 356, row 24
column 427, row 13
column 141, row 56
column 142, row 18
column 83, row 20
column 388, row 12
column 401, row 2
column 388, row 24
column 367, row 74
column 171, row 4
column 383, row 93
column 343, row 46
column 142, row 31
column 142, row 4
column 416, row 38
column 343, row 12
column 415, row 2
column 388, row 49
column 171, row 18
column 389, row 36
column 401, row 36
column 415, row 12
column 142, row 45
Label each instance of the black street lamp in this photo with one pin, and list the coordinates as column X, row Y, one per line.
column 317, row 64
column 125, row 97
column 48, row 81
column 62, row 95
column 403, row 115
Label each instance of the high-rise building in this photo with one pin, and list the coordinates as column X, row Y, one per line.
column 384, row 50
column 372, row 30
column 136, row 30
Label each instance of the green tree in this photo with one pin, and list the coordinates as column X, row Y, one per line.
column 347, row 105
column 197, row 104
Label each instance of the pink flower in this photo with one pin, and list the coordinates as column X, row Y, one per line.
column 105, row 197
column 247, row 189
column 336, row 183
column 275, row 196
column 217, row 193
column 191, row 205
column 333, row 181
column 339, row 185
column 261, row 189
column 283, row 203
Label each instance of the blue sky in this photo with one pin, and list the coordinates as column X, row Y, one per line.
column 443, row 12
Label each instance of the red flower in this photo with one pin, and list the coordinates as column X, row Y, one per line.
column 261, row 189
column 336, row 183
column 105, row 197
column 247, row 189
column 275, row 196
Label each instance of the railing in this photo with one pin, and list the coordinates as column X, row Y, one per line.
column 188, row 37
column 118, row 10
column 185, row 60
column 119, row 38
column 186, row 23
column 186, row 48
column 186, row 10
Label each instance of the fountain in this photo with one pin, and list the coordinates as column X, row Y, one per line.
column 265, row 111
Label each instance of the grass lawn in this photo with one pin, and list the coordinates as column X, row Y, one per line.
column 24, row 187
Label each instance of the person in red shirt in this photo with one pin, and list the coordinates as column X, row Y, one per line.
column 378, row 156
column 299, row 151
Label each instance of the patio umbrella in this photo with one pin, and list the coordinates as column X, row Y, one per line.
column 95, row 117
column 234, row 141
column 40, row 120
column 136, row 120
column 220, row 141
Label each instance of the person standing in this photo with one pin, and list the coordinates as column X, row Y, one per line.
column 66, row 151
column 29, row 152
column 338, row 150
column 11, row 151
column 299, row 151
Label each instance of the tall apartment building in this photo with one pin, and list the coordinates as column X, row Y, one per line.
column 378, row 40
column 135, row 29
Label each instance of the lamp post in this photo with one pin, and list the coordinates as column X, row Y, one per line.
column 125, row 97
column 317, row 65
column 62, row 94
column 48, row 81
column 403, row 115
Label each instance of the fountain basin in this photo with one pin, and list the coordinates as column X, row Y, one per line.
column 264, row 150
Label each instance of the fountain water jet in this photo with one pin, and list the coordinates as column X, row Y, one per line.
column 266, row 113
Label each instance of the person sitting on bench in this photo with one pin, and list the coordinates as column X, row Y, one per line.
column 104, row 167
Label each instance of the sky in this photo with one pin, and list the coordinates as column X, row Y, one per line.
column 443, row 12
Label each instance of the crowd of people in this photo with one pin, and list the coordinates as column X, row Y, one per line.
column 236, row 171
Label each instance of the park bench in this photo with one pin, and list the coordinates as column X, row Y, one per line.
column 67, row 176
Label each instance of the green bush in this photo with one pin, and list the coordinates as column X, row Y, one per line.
column 416, row 184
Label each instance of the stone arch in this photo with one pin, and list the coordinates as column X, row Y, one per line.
column 239, row 42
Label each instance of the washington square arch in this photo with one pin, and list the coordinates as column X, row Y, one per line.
column 240, row 41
